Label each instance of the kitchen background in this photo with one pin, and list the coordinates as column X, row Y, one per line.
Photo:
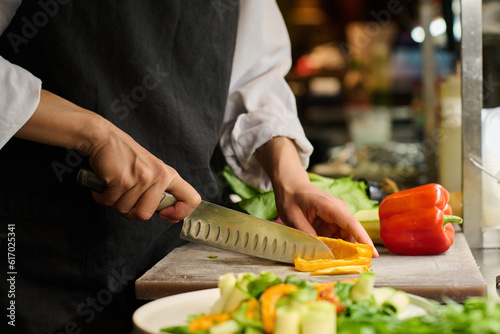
column 379, row 100
column 357, row 76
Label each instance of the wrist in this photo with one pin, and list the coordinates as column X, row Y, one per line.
column 92, row 131
column 280, row 160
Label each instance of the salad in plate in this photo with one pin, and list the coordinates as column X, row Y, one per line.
column 251, row 304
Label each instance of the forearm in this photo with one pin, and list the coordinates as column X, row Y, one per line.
column 59, row 122
column 135, row 179
column 280, row 159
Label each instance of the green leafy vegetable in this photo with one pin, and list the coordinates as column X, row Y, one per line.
column 241, row 189
column 239, row 316
column 262, row 204
column 265, row 280
column 176, row 330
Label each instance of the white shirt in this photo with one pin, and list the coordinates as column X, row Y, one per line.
column 260, row 103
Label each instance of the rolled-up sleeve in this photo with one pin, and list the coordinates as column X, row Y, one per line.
column 19, row 97
column 260, row 105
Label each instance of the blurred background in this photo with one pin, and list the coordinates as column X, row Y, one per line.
column 377, row 98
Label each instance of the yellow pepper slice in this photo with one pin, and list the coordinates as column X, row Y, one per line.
column 342, row 270
column 313, row 265
column 207, row 321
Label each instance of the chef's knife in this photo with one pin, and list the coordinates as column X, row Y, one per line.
column 232, row 230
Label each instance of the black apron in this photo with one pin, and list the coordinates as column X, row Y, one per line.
column 160, row 71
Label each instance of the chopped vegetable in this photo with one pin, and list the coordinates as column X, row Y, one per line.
column 417, row 221
column 207, row 321
column 362, row 290
column 342, row 270
column 269, row 299
column 345, row 307
column 319, row 318
column 313, row 265
column 380, row 295
column 239, row 293
column 342, row 249
column 226, row 285
column 287, row 320
column 350, row 258
column 397, row 302
column 227, row 327
column 370, row 221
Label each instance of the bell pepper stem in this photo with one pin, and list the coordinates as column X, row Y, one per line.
column 452, row 219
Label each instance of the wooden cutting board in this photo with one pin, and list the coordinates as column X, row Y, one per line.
column 191, row 267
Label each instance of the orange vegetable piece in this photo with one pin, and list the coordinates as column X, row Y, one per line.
column 327, row 292
column 268, row 300
column 347, row 254
column 353, row 257
column 313, row 265
column 252, row 311
column 205, row 322
column 342, row 249
column 342, row 270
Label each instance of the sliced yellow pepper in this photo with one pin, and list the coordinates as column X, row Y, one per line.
column 205, row 322
column 342, row 270
column 353, row 256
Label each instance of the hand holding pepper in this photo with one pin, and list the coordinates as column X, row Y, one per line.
column 417, row 221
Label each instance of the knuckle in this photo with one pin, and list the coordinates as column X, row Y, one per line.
column 143, row 215
column 166, row 172
column 144, row 176
column 122, row 210
column 125, row 184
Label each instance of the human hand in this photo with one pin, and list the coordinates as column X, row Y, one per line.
column 301, row 204
column 312, row 210
column 136, row 179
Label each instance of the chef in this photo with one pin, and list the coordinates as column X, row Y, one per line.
column 144, row 93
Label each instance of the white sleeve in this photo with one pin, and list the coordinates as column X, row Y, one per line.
column 19, row 89
column 260, row 103
column 19, row 97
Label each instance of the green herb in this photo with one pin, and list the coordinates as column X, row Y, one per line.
column 212, row 256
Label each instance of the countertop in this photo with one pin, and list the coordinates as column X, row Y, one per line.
column 454, row 274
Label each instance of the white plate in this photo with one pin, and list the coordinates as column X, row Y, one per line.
column 173, row 311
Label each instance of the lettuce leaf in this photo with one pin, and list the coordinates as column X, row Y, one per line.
column 262, row 204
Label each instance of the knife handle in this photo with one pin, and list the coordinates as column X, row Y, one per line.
column 90, row 180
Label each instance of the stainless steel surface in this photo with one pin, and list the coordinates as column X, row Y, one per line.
column 472, row 103
column 228, row 229
column 498, row 285
column 427, row 13
column 488, row 261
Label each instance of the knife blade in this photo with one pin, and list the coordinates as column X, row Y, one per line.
column 228, row 229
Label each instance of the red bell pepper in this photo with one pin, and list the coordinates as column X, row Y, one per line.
column 417, row 221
